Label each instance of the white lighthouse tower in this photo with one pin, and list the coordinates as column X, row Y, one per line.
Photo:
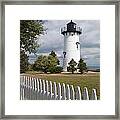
column 71, row 43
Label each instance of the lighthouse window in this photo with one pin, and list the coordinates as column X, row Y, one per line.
column 74, row 26
column 64, row 53
column 77, row 43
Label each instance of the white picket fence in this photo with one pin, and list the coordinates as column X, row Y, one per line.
column 32, row 88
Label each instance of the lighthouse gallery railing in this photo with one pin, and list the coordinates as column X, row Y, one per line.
column 65, row 29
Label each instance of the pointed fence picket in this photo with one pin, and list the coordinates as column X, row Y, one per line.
column 54, row 91
column 32, row 88
column 63, row 92
column 78, row 93
column 50, row 90
column 72, row 93
column 59, row 91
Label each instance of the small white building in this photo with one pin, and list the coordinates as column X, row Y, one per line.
column 71, row 43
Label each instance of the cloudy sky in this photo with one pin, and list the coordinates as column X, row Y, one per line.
column 89, row 39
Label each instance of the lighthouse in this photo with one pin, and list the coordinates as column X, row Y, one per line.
column 71, row 43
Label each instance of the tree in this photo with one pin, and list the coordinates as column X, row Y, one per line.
column 23, row 62
column 53, row 61
column 72, row 66
column 45, row 63
column 29, row 32
column 56, row 69
column 41, row 64
column 54, row 55
column 82, row 66
column 30, row 67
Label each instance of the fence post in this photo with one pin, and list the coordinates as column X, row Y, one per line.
column 24, row 80
column 94, row 95
column 68, row 92
column 43, row 91
column 33, row 90
column 43, row 81
column 78, row 93
column 28, row 79
column 23, row 90
column 37, row 85
column 54, row 91
column 63, row 92
column 24, row 87
column 21, row 87
column 85, row 94
column 59, row 91
column 40, row 86
column 47, row 90
column 32, row 87
column 37, row 88
column 72, row 93
column 28, row 87
column 50, row 95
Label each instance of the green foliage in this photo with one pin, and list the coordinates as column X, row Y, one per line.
column 72, row 66
column 46, row 64
column 56, row 69
column 82, row 66
column 29, row 32
column 54, row 55
column 53, row 61
column 41, row 64
column 30, row 67
column 23, row 62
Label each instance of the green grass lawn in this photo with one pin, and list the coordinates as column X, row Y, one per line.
column 89, row 80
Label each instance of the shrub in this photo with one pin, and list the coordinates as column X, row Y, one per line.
column 72, row 66
column 56, row 69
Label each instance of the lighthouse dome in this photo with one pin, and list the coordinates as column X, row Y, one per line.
column 71, row 26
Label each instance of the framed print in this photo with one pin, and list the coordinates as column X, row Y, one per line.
column 60, row 60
